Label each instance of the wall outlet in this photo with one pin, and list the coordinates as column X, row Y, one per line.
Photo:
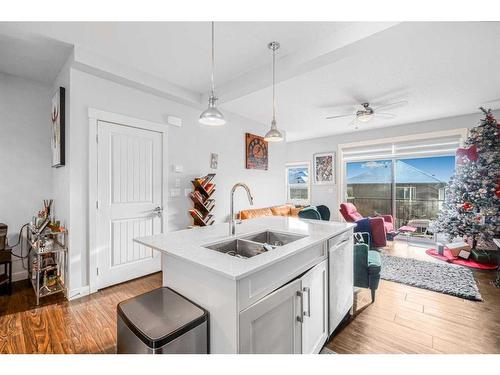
column 177, row 168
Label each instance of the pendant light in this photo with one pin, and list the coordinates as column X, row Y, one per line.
column 274, row 135
column 212, row 116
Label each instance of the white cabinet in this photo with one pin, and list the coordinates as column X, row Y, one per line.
column 292, row 319
column 272, row 325
column 315, row 297
column 341, row 278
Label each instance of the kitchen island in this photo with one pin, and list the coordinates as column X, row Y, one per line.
column 279, row 285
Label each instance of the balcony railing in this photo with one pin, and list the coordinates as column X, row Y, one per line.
column 406, row 209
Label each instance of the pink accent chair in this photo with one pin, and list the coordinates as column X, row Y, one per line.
column 380, row 225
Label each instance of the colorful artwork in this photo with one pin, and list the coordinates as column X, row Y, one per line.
column 256, row 152
column 323, row 168
column 57, row 117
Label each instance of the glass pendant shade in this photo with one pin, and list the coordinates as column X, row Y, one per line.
column 212, row 116
column 273, row 135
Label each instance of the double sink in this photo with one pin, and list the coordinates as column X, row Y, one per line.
column 250, row 245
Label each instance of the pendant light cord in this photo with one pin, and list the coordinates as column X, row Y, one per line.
column 213, row 61
column 274, row 84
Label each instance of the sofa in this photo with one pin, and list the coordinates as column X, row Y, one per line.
column 283, row 210
column 379, row 227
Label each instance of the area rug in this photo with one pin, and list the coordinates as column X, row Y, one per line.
column 444, row 278
column 448, row 257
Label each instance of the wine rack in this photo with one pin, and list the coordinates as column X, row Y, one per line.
column 203, row 200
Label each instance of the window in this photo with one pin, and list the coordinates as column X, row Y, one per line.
column 298, row 189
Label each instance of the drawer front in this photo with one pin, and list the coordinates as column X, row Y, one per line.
column 255, row 286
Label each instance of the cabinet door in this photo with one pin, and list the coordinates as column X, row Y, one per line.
column 341, row 275
column 272, row 325
column 315, row 292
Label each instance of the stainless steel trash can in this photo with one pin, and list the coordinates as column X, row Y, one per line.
column 161, row 322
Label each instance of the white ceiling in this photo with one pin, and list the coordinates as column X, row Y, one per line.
column 32, row 56
column 442, row 69
column 179, row 52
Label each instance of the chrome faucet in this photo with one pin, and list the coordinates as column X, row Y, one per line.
column 231, row 218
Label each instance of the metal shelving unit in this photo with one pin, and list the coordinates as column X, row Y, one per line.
column 47, row 261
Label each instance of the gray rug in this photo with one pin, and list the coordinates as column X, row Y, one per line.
column 440, row 277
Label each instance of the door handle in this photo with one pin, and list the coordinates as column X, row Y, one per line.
column 308, row 291
column 158, row 210
column 300, row 318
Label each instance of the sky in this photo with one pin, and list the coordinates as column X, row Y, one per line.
column 441, row 167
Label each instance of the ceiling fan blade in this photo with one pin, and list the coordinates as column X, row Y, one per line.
column 385, row 115
column 339, row 116
column 392, row 105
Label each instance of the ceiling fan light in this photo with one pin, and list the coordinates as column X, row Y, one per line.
column 365, row 117
column 212, row 116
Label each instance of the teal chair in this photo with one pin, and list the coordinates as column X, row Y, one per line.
column 367, row 265
column 315, row 213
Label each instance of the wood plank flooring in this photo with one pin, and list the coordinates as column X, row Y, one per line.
column 86, row 325
column 405, row 319
column 402, row 320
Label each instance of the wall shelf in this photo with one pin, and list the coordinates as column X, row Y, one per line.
column 203, row 200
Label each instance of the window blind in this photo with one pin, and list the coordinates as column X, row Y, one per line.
column 423, row 147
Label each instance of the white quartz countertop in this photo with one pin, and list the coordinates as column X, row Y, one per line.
column 189, row 244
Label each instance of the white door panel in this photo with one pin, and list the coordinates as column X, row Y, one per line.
column 271, row 325
column 315, row 292
column 129, row 189
column 341, row 275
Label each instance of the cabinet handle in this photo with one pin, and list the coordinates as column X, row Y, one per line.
column 308, row 291
column 300, row 318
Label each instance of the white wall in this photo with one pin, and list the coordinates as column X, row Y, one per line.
column 25, row 154
column 189, row 146
column 327, row 195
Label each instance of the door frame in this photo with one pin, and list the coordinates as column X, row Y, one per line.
column 95, row 116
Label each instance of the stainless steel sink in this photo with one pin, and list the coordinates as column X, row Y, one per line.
column 273, row 238
column 253, row 244
column 238, row 248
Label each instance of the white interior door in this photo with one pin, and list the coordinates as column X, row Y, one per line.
column 130, row 185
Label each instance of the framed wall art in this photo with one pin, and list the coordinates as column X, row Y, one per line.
column 256, row 152
column 58, row 128
column 324, row 168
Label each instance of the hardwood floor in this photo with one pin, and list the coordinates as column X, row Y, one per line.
column 402, row 320
column 87, row 325
column 405, row 319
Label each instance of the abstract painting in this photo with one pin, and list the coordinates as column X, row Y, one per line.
column 324, row 168
column 57, row 117
column 256, row 152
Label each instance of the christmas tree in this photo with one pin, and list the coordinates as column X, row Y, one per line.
column 472, row 202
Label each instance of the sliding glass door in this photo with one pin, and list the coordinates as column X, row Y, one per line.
column 369, row 186
column 420, row 185
column 408, row 188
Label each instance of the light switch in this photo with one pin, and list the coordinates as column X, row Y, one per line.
column 177, row 168
column 175, row 192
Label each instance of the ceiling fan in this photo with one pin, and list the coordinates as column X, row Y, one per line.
column 364, row 112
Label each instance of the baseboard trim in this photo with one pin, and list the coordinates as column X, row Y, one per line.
column 79, row 292
column 20, row 276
